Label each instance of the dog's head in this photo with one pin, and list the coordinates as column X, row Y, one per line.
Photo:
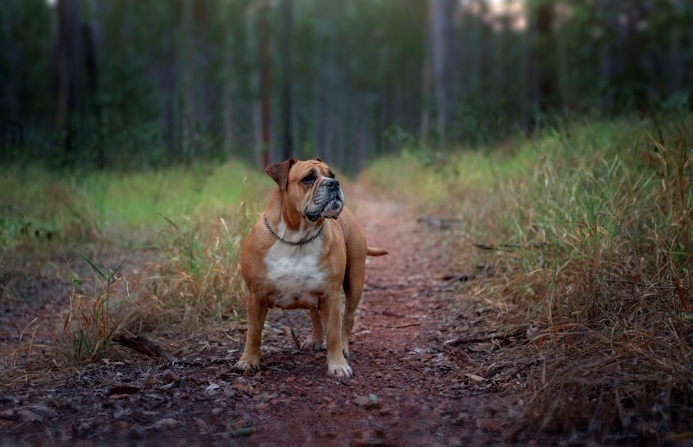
column 310, row 186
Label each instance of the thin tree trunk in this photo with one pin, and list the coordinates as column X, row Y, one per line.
column 544, row 57
column 677, row 63
column 169, row 80
column 66, row 101
column 426, row 75
column 13, row 132
column 611, row 63
column 340, row 131
column 255, row 75
column 528, row 102
column 208, row 92
column 332, row 104
column 442, row 26
column 94, row 63
column 265, row 78
column 357, row 137
column 317, row 113
column 189, row 109
column 228, row 107
column 288, row 143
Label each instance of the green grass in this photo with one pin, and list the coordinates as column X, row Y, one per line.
column 39, row 206
column 594, row 247
column 178, row 232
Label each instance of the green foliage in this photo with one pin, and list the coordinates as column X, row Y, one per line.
column 137, row 69
column 41, row 210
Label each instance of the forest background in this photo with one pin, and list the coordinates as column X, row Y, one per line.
column 551, row 141
column 132, row 84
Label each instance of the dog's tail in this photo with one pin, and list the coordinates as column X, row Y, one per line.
column 375, row 251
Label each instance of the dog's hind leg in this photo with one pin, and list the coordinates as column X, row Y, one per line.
column 353, row 288
column 315, row 342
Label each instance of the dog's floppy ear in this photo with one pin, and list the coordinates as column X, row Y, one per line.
column 280, row 172
column 318, row 159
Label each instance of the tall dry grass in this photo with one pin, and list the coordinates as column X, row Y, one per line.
column 615, row 273
column 592, row 227
column 197, row 277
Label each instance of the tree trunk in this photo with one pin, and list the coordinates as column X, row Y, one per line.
column 442, row 28
column 66, row 74
column 545, row 60
column 319, row 96
column 255, row 75
column 340, row 131
column 330, row 117
column 528, row 102
column 12, row 130
column 208, row 91
column 228, row 106
column 611, row 63
column 189, row 109
column 426, row 78
column 287, row 87
column 265, row 78
column 169, row 81
column 94, row 52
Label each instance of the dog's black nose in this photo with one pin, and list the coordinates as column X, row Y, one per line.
column 331, row 183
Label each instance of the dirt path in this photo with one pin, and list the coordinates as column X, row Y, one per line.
column 406, row 390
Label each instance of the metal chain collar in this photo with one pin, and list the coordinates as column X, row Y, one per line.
column 294, row 244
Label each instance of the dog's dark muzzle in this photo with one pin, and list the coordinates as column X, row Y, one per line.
column 329, row 201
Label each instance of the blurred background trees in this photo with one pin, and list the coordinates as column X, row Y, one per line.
column 141, row 84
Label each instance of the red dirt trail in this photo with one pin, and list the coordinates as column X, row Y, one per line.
column 406, row 391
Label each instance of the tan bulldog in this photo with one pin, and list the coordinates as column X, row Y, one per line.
column 299, row 254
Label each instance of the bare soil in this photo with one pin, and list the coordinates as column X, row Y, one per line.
column 415, row 382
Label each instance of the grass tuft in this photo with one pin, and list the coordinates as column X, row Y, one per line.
column 198, row 277
column 91, row 321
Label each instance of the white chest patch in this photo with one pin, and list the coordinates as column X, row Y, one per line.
column 295, row 273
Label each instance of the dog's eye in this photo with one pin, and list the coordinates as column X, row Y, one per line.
column 308, row 180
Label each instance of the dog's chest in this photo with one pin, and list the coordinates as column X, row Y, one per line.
column 295, row 273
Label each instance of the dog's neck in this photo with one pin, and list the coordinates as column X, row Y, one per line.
column 290, row 225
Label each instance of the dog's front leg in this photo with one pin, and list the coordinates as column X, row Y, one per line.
column 331, row 315
column 257, row 312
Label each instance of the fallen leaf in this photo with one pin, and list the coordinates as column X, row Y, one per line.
column 475, row 377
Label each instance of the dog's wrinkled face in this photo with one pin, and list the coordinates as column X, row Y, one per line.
column 312, row 187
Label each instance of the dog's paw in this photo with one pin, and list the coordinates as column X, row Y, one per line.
column 312, row 345
column 247, row 365
column 342, row 370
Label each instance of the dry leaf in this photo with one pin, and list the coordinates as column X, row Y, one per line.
column 475, row 377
